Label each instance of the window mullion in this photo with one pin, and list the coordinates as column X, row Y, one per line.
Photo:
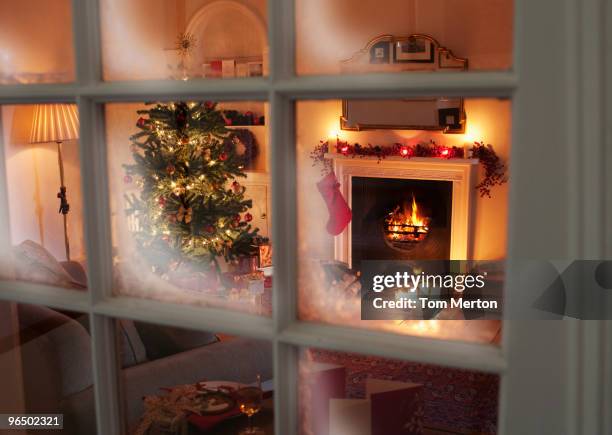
column 96, row 201
column 5, row 230
column 86, row 37
column 105, row 365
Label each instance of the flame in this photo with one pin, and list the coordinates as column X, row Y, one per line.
column 407, row 224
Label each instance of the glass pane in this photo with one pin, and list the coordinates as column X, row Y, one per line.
column 36, row 42
column 45, row 199
column 45, row 366
column 343, row 393
column 190, row 203
column 376, row 186
column 184, row 381
column 180, row 40
column 344, row 37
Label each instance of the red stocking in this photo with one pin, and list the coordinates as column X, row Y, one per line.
column 339, row 211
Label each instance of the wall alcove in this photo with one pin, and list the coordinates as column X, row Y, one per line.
column 228, row 30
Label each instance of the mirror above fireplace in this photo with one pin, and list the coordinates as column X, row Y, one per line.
column 413, row 53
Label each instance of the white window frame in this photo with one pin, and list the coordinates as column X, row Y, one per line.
column 552, row 371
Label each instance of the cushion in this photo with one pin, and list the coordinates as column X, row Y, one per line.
column 35, row 264
column 161, row 341
column 132, row 349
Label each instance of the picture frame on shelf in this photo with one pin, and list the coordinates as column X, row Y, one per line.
column 379, row 53
column 413, row 50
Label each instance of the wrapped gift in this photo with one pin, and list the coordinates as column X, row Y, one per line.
column 265, row 255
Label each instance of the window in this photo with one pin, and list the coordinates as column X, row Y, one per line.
column 114, row 75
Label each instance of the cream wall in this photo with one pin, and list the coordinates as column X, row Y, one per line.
column 330, row 31
column 36, row 37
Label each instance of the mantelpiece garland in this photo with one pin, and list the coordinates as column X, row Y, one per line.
column 494, row 168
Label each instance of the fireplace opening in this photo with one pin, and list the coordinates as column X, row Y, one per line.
column 398, row 219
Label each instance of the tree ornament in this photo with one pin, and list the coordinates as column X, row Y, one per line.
column 236, row 187
column 248, row 217
column 127, row 179
column 141, row 122
column 184, row 214
column 178, row 190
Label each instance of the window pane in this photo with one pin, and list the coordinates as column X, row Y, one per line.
column 44, row 189
column 376, row 186
column 45, row 361
column 36, row 42
column 343, row 393
column 205, row 372
column 190, row 203
column 376, row 36
column 167, row 39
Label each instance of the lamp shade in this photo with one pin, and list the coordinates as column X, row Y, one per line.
column 54, row 123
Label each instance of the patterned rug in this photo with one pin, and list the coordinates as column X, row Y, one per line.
column 455, row 399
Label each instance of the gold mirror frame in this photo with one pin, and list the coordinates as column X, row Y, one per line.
column 441, row 59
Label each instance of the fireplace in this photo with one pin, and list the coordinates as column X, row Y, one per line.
column 400, row 219
column 380, row 195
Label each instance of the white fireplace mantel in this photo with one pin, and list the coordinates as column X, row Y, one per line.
column 461, row 172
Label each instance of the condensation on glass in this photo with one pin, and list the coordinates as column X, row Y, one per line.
column 183, row 40
column 190, row 203
column 360, row 164
column 36, row 42
column 344, row 37
column 41, row 148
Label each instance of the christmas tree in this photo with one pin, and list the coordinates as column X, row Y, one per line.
column 191, row 208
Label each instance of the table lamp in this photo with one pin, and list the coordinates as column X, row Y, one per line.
column 57, row 123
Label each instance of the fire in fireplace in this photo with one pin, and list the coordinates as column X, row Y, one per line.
column 404, row 226
column 400, row 219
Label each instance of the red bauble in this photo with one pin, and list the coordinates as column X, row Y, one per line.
column 170, row 169
column 223, row 157
column 248, row 217
column 127, row 179
column 141, row 122
column 228, row 121
column 161, row 201
column 185, row 140
column 236, row 187
column 209, row 229
column 209, row 104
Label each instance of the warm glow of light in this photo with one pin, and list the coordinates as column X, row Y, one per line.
column 406, row 224
column 473, row 133
column 444, row 152
column 404, row 151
